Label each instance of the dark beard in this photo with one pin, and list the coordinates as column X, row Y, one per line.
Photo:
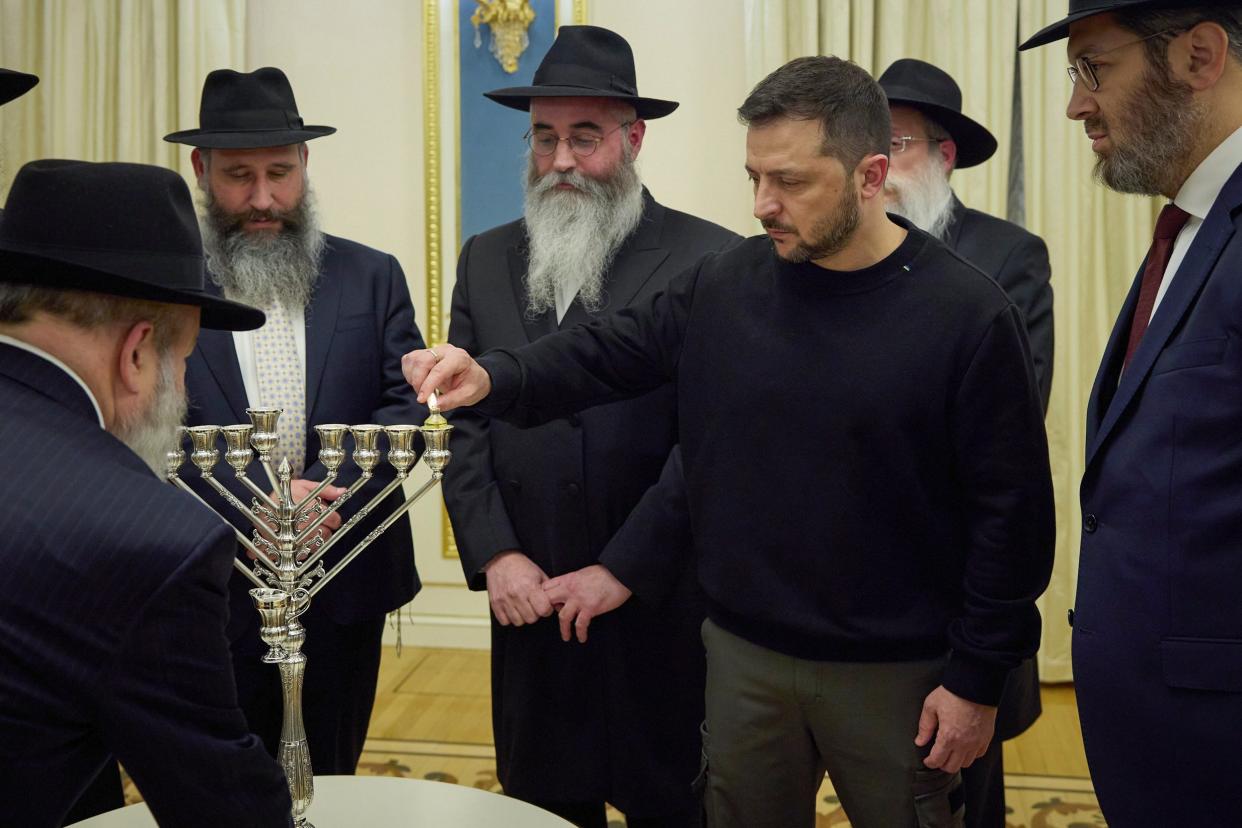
column 1162, row 119
column 830, row 235
column 264, row 268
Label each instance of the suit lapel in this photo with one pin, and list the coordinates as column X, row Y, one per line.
column 544, row 323
column 636, row 261
column 320, row 327
column 1188, row 281
column 953, row 233
column 216, row 349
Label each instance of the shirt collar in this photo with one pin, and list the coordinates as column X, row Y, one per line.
column 39, row 352
column 1201, row 189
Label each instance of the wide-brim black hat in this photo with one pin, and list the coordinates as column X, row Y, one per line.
column 248, row 110
column 585, row 62
column 121, row 229
column 931, row 90
column 15, row 84
column 1079, row 9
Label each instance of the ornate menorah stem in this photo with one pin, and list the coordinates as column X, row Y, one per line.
column 309, row 531
column 289, row 570
column 375, row 533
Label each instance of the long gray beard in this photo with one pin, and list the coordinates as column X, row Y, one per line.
column 923, row 197
column 153, row 432
column 264, row 268
column 574, row 234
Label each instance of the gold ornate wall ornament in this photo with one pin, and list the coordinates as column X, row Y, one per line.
column 508, row 21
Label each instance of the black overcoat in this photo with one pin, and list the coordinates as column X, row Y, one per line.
column 615, row 719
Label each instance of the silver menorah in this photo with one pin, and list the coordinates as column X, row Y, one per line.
column 287, row 547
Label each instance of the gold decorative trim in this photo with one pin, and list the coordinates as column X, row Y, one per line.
column 432, row 205
column 431, row 168
column 580, row 12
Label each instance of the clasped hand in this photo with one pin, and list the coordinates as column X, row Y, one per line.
column 520, row 592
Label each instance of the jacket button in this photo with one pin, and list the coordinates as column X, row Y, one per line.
column 1089, row 522
column 573, row 488
column 1069, row 614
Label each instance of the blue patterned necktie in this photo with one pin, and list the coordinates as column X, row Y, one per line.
column 282, row 384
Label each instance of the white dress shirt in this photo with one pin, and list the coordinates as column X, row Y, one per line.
column 39, row 352
column 1197, row 195
column 249, row 366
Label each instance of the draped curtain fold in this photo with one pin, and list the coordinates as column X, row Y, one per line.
column 1095, row 238
column 116, row 76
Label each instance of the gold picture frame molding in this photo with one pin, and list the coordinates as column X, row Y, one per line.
column 433, row 226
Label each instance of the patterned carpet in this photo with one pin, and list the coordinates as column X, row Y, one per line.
column 1034, row 801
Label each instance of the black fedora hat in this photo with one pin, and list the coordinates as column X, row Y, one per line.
column 248, row 110
column 585, row 62
column 931, row 90
column 121, row 229
column 15, row 84
column 1079, row 9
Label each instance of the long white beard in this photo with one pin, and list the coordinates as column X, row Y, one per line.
column 574, row 234
column 924, row 197
column 265, row 268
column 152, row 432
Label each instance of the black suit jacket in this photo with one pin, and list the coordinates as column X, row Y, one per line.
column 1018, row 261
column 358, row 325
column 112, row 624
column 616, row 718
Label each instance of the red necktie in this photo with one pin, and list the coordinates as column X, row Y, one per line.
column 1172, row 220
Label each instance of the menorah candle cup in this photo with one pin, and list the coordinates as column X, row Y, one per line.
column 205, row 454
column 237, row 439
column 332, row 445
column 366, row 446
column 174, row 458
column 264, row 438
column 273, row 606
column 401, row 446
column 436, row 431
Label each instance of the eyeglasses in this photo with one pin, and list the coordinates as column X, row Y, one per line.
column 899, row 142
column 543, row 142
column 1085, row 69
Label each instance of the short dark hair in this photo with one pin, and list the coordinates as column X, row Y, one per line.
column 850, row 106
column 1174, row 20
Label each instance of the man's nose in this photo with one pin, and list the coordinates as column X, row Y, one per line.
column 564, row 160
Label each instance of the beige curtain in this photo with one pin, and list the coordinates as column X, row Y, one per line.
column 115, row 76
column 1095, row 238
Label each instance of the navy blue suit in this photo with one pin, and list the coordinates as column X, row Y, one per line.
column 1157, row 638
column 359, row 323
column 112, row 624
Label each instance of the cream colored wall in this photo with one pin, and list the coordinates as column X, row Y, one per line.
column 690, row 51
column 359, row 67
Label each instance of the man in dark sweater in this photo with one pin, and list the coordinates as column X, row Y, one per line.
column 866, row 468
column 931, row 139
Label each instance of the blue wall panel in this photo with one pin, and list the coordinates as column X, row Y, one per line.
column 491, row 152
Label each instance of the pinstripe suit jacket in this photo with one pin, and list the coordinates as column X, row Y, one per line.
column 112, row 614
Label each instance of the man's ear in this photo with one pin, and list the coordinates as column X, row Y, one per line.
column 634, row 135
column 948, row 151
column 200, row 168
column 870, row 174
column 1198, row 57
column 137, row 357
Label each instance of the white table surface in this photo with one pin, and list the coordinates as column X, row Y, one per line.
column 386, row 802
